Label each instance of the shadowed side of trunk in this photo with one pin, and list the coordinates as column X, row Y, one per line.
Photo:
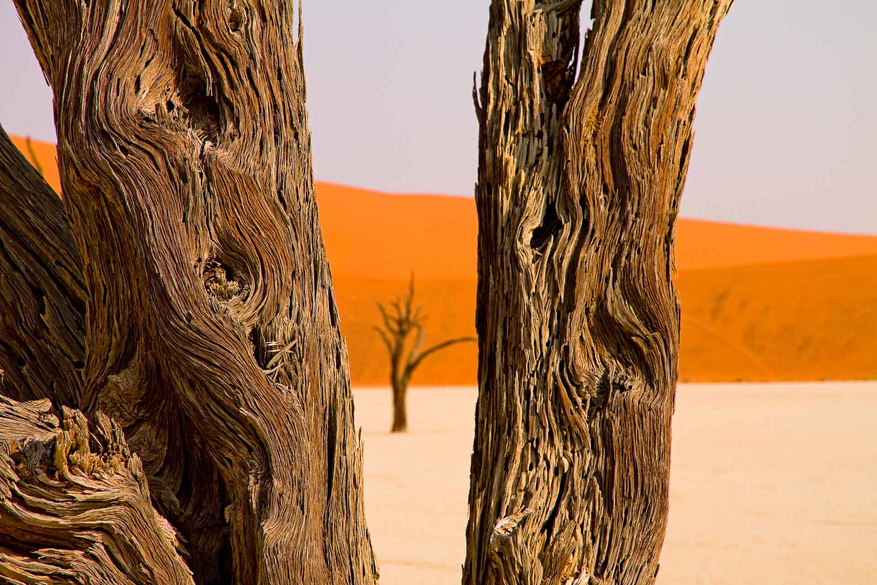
column 42, row 293
column 580, row 174
column 212, row 335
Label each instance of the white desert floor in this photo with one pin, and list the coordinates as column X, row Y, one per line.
column 770, row 484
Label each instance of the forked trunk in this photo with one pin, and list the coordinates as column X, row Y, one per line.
column 579, row 182
column 212, row 334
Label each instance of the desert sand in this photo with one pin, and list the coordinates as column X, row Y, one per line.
column 758, row 304
column 769, row 484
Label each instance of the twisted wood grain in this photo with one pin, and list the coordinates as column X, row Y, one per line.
column 581, row 169
column 75, row 504
column 184, row 153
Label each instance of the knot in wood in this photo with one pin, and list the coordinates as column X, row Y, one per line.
column 221, row 283
column 237, row 17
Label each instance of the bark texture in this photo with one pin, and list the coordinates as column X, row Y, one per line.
column 75, row 504
column 42, row 293
column 212, row 336
column 400, row 322
column 580, row 175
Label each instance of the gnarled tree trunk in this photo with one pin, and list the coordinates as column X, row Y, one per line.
column 212, row 335
column 579, row 183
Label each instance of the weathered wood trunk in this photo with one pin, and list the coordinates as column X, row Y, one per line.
column 395, row 341
column 42, row 293
column 580, row 176
column 212, row 335
column 87, row 514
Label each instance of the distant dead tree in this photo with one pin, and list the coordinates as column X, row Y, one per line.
column 398, row 326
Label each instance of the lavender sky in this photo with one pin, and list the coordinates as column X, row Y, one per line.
column 786, row 125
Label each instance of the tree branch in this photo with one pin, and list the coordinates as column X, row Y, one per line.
column 415, row 349
column 385, row 338
column 438, row 347
column 391, row 324
column 42, row 293
column 409, row 300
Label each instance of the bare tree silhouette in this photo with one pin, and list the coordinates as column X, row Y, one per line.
column 399, row 323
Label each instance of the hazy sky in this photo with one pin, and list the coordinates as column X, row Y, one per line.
column 786, row 125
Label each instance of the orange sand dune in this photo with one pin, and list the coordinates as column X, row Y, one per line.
column 46, row 158
column 709, row 244
column 812, row 320
column 386, row 236
column 758, row 303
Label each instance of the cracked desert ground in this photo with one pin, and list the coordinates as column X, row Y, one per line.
column 770, row 483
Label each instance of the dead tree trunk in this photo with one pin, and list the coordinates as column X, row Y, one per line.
column 212, row 334
column 87, row 513
column 399, row 324
column 579, row 182
column 42, row 293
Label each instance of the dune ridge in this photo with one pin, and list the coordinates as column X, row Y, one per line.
column 758, row 304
